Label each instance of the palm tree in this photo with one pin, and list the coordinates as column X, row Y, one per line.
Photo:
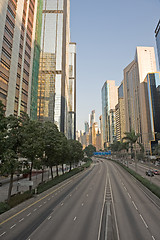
column 132, row 138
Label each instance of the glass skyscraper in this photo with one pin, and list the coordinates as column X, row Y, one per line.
column 152, row 101
column 55, row 41
column 157, row 36
column 109, row 100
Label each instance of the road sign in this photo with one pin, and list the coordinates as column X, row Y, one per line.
column 102, row 153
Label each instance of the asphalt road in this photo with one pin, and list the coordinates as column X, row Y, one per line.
column 142, row 168
column 104, row 202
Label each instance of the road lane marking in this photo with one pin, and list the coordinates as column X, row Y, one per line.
column 35, row 209
column 40, row 206
column 28, row 214
column 2, row 234
column 75, row 218
column 62, row 204
column 87, row 195
column 13, row 226
column 143, row 221
column 114, row 211
column 82, row 204
column 44, row 202
column 49, row 217
column 153, row 238
column 33, row 203
column 135, row 205
column 129, row 195
column 21, row 220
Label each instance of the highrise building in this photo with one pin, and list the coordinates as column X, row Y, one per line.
column 72, row 92
column 157, row 36
column 134, row 75
column 101, row 131
column 36, row 59
column 92, row 118
column 56, row 40
column 120, row 114
column 94, row 133
column 151, row 110
column 46, row 92
column 17, row 38
column 86, row 127
column 109, row 101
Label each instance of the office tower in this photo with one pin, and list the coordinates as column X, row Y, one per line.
column 109, row 100
column 151, row 110
column 92, row 118
column 55, row 40
column 112, row 121
column 134, row 75
column 98, row 141
column 86, row 127
column 17, row 37
column 101, row 131
column 72, row 92
column 157, row 36
column 36, row 58
column 46, row 92
column 94, row 133
column 120, row 114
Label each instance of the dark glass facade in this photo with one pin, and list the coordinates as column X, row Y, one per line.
column 157, row 36
column 153, row 86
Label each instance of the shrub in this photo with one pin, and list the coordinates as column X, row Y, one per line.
column 18, row 198
column 4, row 207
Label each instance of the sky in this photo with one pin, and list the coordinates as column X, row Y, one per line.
column 107, row 33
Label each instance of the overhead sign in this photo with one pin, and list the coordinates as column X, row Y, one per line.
column 102, row 153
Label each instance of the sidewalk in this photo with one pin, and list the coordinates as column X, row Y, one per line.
column 19, row 184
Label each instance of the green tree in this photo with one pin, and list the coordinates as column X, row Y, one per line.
column 64, row 151
column 132, row 139
column 12, row 140
column 52, row 145
column 3, row 129
column 89, row 150
column 75, row 152
column 32, row 146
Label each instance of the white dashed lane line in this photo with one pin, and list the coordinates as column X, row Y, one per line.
column 49, row 217
column 75, row 218
column 21, row 220
column 28, row 214
column 143, row 221
column 13, row 226
column 2, row 234
column 135, row 205
column 40, row 206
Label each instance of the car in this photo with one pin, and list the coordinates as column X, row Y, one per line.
column 150, row 173
column 156, row 172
